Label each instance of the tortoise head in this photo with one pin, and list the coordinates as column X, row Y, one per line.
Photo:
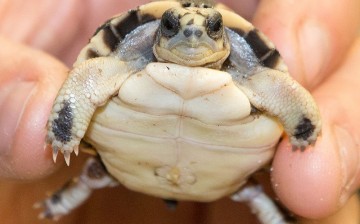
column 192, row 35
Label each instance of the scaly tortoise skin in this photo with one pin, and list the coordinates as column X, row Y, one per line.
column 181, row 100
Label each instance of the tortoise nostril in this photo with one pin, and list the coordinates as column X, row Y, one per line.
column 188, row 32
column 198, row 33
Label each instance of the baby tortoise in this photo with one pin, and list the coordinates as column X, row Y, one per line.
column 181, row 100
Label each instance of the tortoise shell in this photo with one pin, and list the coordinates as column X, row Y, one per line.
column 181, row 100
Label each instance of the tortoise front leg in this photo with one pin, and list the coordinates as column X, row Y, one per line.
column 88, row 86
column 76, row 191
column 279, row 95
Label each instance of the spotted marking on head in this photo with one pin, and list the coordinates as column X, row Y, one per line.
column 197, row 3
column 192, row 36
column 61, row 127
column 191, row 22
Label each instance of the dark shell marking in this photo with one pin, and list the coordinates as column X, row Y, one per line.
column 131, row 21
column 271, row 59
column 258, row 45
column 115, row 30
column 239, row 31
column 110, row 38
column 92, row 54
column 61, row 126
column 261, row 48
column 268, row 56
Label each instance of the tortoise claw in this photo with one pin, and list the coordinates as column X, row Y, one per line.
column 67, row 157
column 55, row 153
column 76, row 150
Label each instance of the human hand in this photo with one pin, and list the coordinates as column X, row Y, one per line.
column 30, row 79
column 317, row 41
column 320, row 43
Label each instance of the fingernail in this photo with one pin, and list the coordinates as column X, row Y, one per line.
column 315, row 47
column 349, row 158
column 13, row 98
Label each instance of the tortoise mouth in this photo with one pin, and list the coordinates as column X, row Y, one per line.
column 196, row 52
column 193, row 49
column 191, row 54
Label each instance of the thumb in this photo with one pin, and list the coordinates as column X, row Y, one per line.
column 29, row 82
column 319, row 181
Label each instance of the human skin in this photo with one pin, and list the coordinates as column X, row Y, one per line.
column 318, row 40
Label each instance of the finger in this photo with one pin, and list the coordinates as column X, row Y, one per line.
column 307, row 36
column 46, row 25
column 29, row 82
column 245, row 8
column 312, row 36
column 317, row 182
column 349, row 214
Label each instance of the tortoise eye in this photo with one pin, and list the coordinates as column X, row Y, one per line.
column 170, row 24
column 214, row 25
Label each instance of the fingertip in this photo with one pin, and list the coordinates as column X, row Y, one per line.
column 307, row 36
column 26, row 164
column 309, row 183
column 245, row 8
column 32, row 79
